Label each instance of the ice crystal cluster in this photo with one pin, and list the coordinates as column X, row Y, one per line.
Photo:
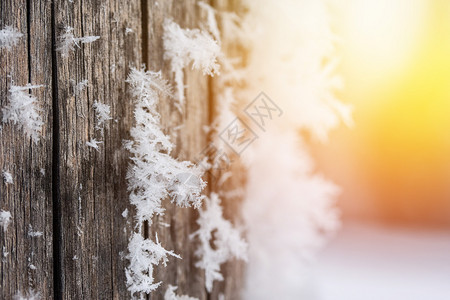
column 23, row 110
column 7, row 177
column 78, row 87
column 5, row 219
column 34, row 233
column 143, row 255
column 102, row 114
column 184, row 47
column 9, row 37
column 30, row 295
column 67, row 41
column 93, row 143
column 170, row 294
column 152, row 177
column 219, row 241
column 289, row 210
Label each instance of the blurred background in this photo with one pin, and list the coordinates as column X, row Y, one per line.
column 394, row 165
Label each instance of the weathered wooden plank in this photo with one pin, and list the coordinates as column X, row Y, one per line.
column 93, row 187
column 189, row 141
column 28, row 264
column 90, row 185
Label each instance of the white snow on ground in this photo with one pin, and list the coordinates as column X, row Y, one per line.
column 367, row 262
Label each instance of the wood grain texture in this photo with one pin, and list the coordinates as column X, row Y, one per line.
column 189, row 141
column 93, row 191
column 73, row 193
column 26, row 261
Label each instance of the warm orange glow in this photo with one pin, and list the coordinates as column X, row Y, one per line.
column 396, row 61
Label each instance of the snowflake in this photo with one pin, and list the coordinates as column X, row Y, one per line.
column 5, row 219
column 170, row 294
column 9, row 37
column 67, row 41
column 102, row 113
column 227, row 241
column 153, row 176
column 189, row 46
column 23, row 110
column 94, row 144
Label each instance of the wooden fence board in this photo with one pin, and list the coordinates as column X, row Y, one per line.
column 93, row 187
column 189, row 141
column 73, row 193
column 28, row 264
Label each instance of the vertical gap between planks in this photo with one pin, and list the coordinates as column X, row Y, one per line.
column 56, row 201
column 144, row 30
column 28, row 39
column 30, row 141
column 144, row 56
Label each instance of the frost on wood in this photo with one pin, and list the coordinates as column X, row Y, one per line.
column 219, row 241
column 67, row 41
column 33, row 233
column 170, row 294
column 7, row 177
column 5, row 219
column 30, row 295
column 102, row 114
column 80, row 86
column 9, row 37
column 153, row 176
column 93, row 143
column 143, row 255
column 189, row 46
column 23, row 110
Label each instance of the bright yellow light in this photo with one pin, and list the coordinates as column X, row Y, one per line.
column 382, row 36
column 396, row 62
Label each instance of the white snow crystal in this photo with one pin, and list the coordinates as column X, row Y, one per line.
column 153, row 176
column 143, row 255
column 9, row 37
column 23, row 110
column 164, row 224
column 5, row 253
column 170, row 294
column 102, row 113
column 31, row 295
column 227, row 241
column 125, row 213
column 7, row 177
column 185, row 46
column 93, row 144
column 5, row 219
column 79, row 87
column 33, row 233
column 67, row 41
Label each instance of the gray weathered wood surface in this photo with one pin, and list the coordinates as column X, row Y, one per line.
column 72, row 193
column 29, row 198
